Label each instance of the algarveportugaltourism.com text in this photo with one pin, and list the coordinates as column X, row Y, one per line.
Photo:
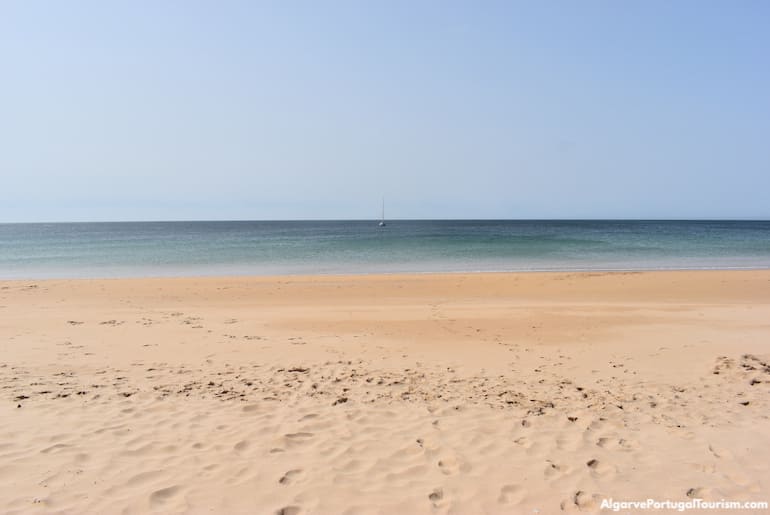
column 692, row 504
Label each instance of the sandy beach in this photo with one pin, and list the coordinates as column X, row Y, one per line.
column 458, row 393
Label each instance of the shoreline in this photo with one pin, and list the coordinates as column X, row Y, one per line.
column 392, row 274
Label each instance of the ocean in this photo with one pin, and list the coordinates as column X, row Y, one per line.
column 165, row 249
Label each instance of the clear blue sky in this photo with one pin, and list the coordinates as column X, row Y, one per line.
column 146, row 110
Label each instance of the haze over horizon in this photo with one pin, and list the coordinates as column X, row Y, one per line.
column 233, row 111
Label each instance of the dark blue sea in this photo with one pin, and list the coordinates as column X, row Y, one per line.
column 138, row 249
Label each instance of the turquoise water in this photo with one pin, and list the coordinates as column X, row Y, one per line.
column 232, row 248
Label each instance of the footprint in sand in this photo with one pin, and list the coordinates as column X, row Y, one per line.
column 164, row 494
column 428, row 444
column 719, row 452
column 554, row 470
column 436, row 497
column 112, row 322
column 581, row 500
column 293, row 439
column 600, row 469
column 511, row 494
column 608, row 443
column 612, row 444
column 699, row 493
column 290, row 476
column 449, row 465
column 523, row 441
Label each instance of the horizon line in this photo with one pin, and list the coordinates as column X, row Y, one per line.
column 732, row 219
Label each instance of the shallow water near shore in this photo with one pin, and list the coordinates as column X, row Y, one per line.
column 136, row 249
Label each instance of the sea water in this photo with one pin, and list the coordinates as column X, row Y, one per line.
column 146, row 249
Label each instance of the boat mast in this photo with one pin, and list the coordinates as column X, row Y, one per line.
column 382, row 219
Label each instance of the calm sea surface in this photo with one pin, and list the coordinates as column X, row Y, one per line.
column 232, row 248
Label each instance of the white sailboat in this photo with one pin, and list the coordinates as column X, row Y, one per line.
column 382, row 220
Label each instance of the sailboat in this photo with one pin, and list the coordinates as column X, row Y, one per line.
column 382, row 220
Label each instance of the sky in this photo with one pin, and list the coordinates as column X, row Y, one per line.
column 217, row 110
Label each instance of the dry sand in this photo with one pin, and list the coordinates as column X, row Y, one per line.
column 463, row 393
